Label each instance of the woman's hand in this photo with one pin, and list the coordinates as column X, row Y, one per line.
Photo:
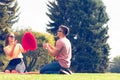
column 15, row 43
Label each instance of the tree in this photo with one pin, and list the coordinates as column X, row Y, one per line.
column 87, row 20
column 8, row 16
column 115, row 65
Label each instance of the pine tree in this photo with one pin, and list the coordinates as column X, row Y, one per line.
column 87, row 20
column 8, row 16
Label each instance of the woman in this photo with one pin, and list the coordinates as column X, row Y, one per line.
column 61, row 52
column 13, row 51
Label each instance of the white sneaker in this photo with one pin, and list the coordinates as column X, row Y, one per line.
column 65, row 72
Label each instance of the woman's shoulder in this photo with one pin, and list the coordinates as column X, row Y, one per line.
column 18, row 44
column 6, row 47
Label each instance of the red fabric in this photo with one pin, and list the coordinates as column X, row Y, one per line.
column 29, row 41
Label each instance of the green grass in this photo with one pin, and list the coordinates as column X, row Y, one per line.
column 76, row 76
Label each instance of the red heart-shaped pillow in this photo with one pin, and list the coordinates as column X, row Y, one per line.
column 29, row 41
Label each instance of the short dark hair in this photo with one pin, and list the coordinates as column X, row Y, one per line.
column 65, row 29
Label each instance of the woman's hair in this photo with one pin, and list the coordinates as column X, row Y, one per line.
column 6, row 39
column 65, row 29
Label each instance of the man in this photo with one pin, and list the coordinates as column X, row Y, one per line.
column 61, row 52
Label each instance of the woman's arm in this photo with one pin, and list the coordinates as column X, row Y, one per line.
column 22, row 49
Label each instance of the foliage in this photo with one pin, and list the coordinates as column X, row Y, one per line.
column 115, row 65
column 87, row 20
column 3, row 62
column 39, row 57
column 78, row 76
column 8, row 14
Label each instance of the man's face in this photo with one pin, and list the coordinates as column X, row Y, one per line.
column 59, row 32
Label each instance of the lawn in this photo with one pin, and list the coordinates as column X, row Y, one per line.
column 75, row 76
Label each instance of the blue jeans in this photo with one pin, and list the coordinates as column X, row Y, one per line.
column 16, row 64
column 51, row 68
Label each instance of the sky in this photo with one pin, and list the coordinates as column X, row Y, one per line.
column 112, row 8
column 33, row 14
